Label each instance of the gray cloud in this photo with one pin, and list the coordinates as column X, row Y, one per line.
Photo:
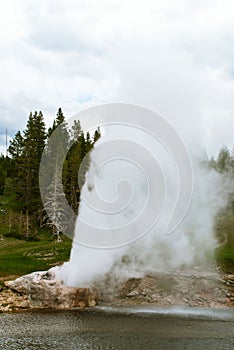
column 173, row 56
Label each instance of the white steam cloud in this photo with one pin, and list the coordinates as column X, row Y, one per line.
column 192, row 243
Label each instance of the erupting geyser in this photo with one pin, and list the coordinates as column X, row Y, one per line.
column 134, row 185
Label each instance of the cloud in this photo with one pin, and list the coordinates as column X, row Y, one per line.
column 173, row 56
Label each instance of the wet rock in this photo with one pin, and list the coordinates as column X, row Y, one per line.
column 229, row 295
column 42, row 290
column 182, row 287
column 10, row 301
column 222, row 300
column 133, row 293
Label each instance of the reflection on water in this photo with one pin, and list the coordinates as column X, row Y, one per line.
column 119, row 328
column 225, row 314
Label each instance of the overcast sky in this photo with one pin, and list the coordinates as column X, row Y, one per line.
column 175, row 56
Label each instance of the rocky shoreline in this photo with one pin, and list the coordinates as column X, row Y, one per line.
column 177, row 288
column 41, row 290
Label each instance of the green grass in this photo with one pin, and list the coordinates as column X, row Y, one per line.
column 22, row 257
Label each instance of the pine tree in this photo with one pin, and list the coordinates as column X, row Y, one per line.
column 26, row 151
column 61, row 137
column 75, row 167
column 97, row 135
column 60, row 119
column 34, row 144
column 71, row 167
column 16, row 151
column 223, row 162
column 16, row 146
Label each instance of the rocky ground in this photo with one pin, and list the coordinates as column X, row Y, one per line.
column 185, row 288
column 40, row 290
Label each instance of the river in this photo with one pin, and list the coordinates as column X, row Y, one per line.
column 122, row 328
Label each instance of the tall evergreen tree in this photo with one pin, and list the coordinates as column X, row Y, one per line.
column 26, row 151
column 60, row 119
column 223, row 162
column 16, row 149
column 71, row 167
column 34, row 144
column 97, row 135
column 74, row 170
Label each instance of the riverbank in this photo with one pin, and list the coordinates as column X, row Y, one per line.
column 176, row 288
column 41, row 290
column 193, row 288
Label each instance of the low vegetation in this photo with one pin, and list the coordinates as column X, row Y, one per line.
column 19, row 257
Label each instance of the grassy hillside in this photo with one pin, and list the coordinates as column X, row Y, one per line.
column 18, row 257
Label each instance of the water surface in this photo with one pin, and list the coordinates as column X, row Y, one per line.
column 127, row 328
